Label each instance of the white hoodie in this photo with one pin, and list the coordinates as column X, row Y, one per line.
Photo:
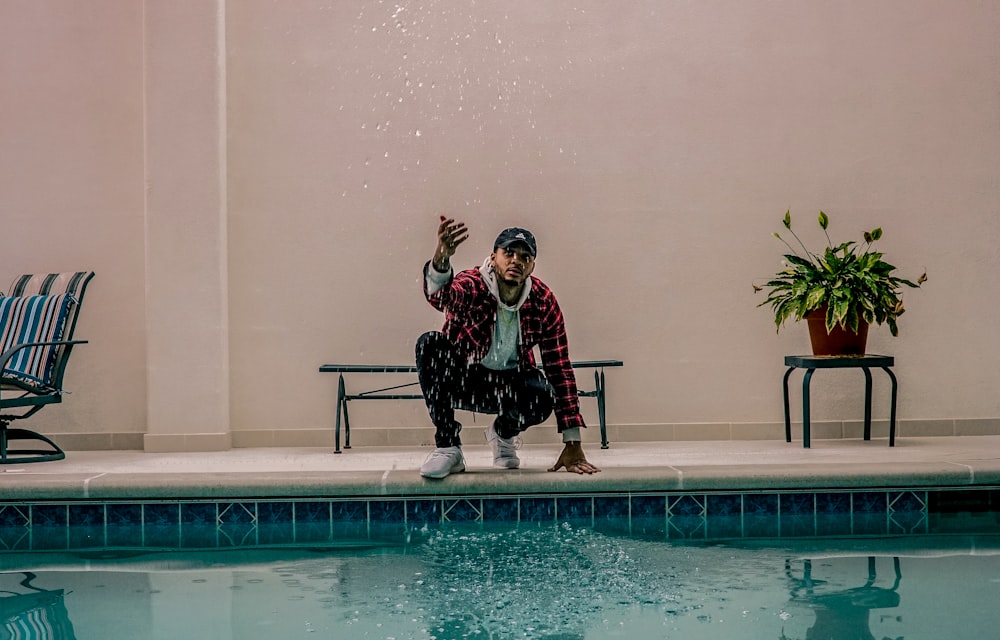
column 507, row 331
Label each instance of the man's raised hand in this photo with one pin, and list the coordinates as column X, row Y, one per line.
column 450, row 235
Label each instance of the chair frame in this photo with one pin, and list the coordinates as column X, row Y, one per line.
column 32, row 400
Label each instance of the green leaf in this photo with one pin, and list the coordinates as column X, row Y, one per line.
column 823, row 220
column 815, row 297
column 877, row 233
column 788, row 219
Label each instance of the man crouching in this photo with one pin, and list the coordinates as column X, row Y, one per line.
column 482, row 359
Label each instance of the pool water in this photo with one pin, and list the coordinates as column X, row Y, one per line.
column 555, row 582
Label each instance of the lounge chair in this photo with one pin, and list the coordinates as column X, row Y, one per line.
column 37, row 322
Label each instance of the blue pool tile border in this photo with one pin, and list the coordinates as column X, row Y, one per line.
column 189, row 524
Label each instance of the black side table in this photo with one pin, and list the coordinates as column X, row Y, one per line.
column 865, row 363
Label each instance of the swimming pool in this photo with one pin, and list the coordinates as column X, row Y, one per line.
column 762, row 564
column 528, row 580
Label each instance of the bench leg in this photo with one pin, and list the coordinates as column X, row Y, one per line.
column 340, row 406
column 599, row 385
column 347, row 424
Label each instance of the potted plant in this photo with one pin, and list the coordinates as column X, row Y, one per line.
column 839, row 292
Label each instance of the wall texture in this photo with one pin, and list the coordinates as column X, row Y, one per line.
column 257, row 195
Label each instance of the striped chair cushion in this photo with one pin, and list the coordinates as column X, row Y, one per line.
column 25, row 319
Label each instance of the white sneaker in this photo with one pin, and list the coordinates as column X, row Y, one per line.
column 443, row 461
column 504, row 449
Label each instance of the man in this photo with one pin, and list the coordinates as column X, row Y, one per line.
column 482, row 360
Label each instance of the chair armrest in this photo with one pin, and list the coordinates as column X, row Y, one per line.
column 54, row 382
column 9, row 353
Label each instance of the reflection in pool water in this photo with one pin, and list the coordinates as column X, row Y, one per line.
column 552, row 582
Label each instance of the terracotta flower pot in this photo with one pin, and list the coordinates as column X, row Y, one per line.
column 839, row 342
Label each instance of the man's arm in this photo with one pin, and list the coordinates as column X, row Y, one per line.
column 450, row 235
column 437, row 271
column 559, row 369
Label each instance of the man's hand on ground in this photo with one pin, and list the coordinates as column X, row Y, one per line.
column 574, row 460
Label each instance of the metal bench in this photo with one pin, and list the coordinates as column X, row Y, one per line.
column 391, row 393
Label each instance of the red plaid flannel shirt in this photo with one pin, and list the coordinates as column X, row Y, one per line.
column 470, row 318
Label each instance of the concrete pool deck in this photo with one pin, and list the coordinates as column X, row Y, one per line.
column 954, row 462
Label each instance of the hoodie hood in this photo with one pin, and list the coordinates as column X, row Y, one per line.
column 490, row 277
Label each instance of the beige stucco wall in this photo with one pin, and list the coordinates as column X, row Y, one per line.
column 71, row 194
column 257, row 185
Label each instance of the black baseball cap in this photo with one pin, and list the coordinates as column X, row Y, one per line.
column 513, row 235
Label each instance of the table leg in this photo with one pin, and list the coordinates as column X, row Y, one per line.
column 788, row 419
column 892, row 408
column 868, row 403
column 805, row 407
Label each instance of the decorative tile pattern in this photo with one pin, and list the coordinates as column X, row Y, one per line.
column 386, row 511
column 833, row 503
column 833, row 524
column 238, row 513
column 161, row 515
column 317, row 513
column 794, row 525
column 463, row 510
column 17, row 538
column 649, row 506
column 123, row 514
column 907, row 522
column 274, row 513
column 161, row 536
column 422, row 512
column 575, row 509
column 760, row 525
column 869, row 502
column 86, row 515
column 237, row 534
column 538, row 509
column 724, row 505
column 667, row 515
column 500, row 510
column 49, row 538
column 200, row 513
column 723, row 527
column 611, row 508
column 49, row 515
column 687, row 527
column 760, row 504
column 797, row 504
column 200, row 535
column 903, row 501
column 349, row 511
column 86, row 536
column 686, row 505
column 14, row 516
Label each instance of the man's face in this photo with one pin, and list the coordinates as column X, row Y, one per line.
column 514, row 264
